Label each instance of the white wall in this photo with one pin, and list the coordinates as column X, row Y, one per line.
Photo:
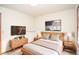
column 11, row 17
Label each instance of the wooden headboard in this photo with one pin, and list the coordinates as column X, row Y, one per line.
column 15, row 43
column 61, row 34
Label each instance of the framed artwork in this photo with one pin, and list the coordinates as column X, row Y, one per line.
column 54, row 25
column 18, row 30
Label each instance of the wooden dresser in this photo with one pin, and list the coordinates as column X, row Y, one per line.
column 15, row 43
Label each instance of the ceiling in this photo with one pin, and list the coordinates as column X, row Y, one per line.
column 39, row 9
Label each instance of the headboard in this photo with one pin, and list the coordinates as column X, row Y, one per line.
column 15, row 43
column 61, row 34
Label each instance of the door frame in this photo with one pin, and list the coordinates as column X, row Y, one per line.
column 0, row 33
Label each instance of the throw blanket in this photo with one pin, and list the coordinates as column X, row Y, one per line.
column 53, row 45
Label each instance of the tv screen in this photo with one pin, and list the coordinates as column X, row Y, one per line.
column 18, row 30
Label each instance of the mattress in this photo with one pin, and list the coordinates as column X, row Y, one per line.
column 39, row 50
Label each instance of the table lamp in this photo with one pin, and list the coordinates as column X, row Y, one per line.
column 68, row 36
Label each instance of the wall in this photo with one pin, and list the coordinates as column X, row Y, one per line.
column 12, row 17
column 67, row 17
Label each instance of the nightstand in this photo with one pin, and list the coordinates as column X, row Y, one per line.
column 69, row 46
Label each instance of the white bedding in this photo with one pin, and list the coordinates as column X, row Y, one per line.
column 39, row 50
column 58, row 42
column 53, row 45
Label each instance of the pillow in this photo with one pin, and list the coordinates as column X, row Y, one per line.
column 54, row 37
column 45, row 36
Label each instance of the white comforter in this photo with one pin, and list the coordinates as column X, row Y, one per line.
column 38, row 50
column 44, row 47
column 53, row 45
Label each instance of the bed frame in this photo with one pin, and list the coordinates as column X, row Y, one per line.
column 27, row 52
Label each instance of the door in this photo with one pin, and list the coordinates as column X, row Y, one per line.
column 0, row 33
column 78, row 23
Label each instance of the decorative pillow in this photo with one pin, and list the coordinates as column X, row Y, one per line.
column 54, row 37
column 45, row 36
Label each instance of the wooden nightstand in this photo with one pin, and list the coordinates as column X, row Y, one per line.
column 69, row 46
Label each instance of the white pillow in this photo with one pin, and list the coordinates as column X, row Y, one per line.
column 46, row 36
column 54, row 37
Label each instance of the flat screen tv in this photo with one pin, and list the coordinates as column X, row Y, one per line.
column 18, row 30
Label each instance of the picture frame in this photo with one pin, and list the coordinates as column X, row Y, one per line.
column 53, row 25
column 18, row 30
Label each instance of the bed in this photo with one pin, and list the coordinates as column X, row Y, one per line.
column 44, row 46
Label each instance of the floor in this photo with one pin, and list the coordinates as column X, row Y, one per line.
column 18, row 52
column 14, row 52
column 66, row 53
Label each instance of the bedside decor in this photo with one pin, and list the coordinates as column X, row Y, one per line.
column 69, row 36
column 54, row 25
column 69, row 44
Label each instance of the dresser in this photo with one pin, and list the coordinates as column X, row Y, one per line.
column 15, row 43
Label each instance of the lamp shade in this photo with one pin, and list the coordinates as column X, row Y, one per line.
column 68, row 36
